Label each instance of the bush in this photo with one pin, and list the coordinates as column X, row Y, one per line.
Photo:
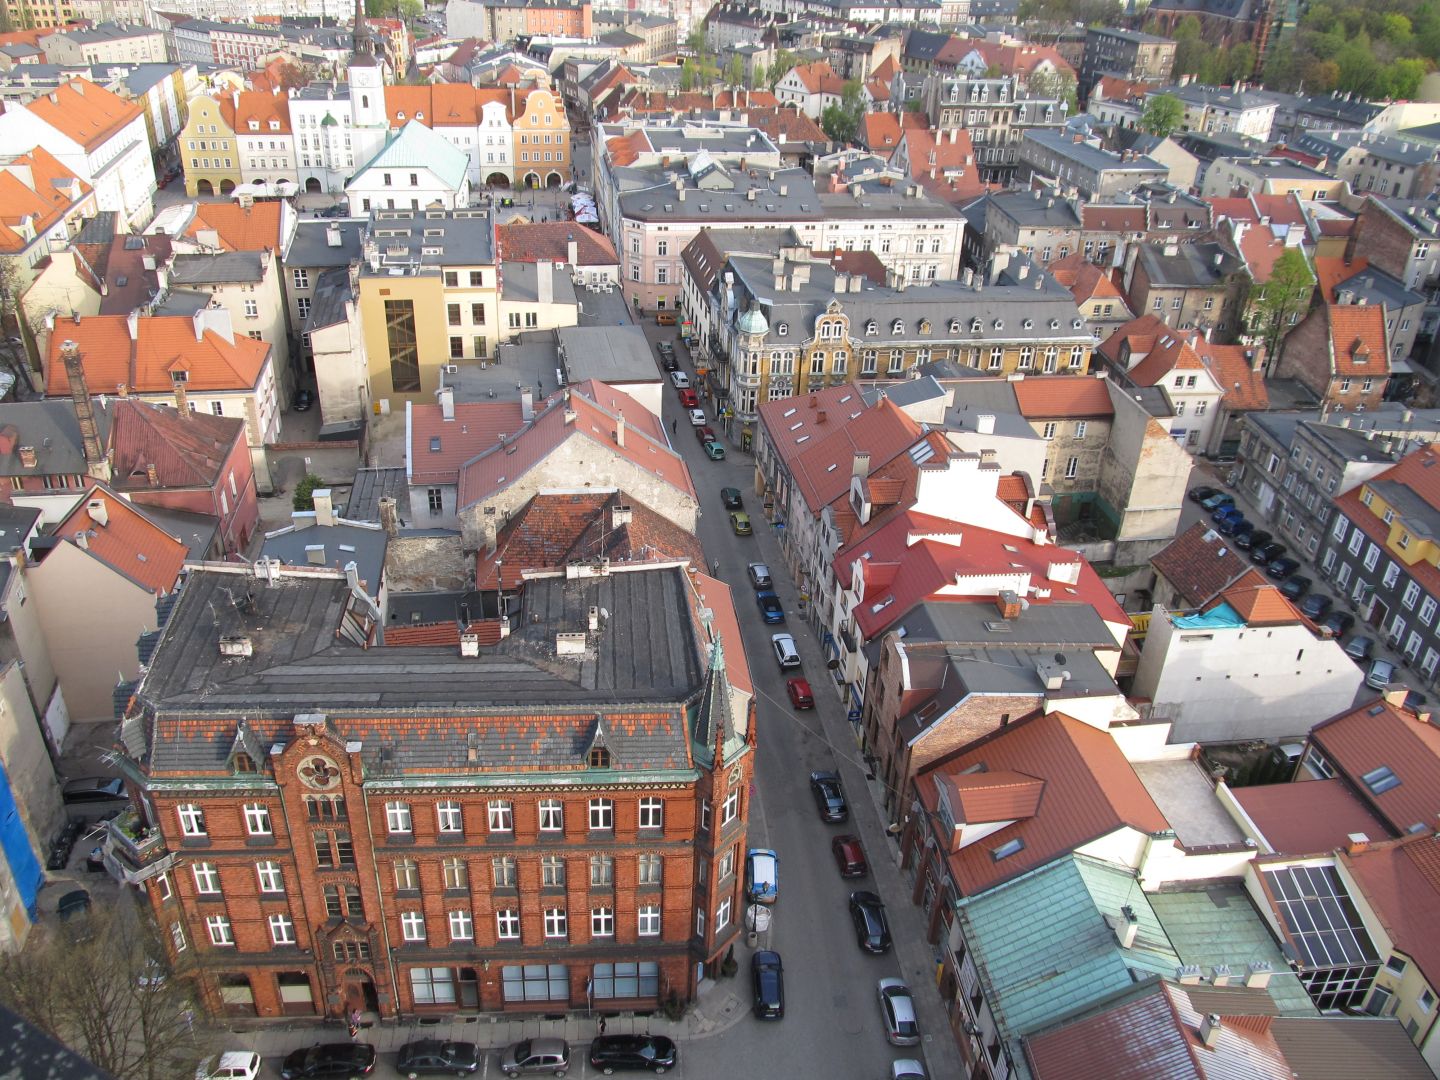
column 674, row 1007
column 304, row 491
column 729, row 966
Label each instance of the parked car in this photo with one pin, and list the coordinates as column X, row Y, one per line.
column 1280, row 569
column 1242, row 528
column 872, row 930
column 536, row 1056
column 230, row 1065
column 1227, row 512
column 1338, row 623
column 849, row 856
column 664, row 318
column 88, row 790
column 1248, row 541
column 633, row 1053
column 762, row 876
column 1359, row 648
column 1229, row 524
column 740, row 522
column 714, row 451
column 329, row 1059
column 897, row 1010
column 1380, row 675
column 1315, row 606
column 799, row 691
column 303, row 400
column 907, row 1069
column 436, row 1057
column 704, row 433
column 786, row 655
column 759, row 574
column 1201, row 492
column 689, row 399
column 668, row 362
column 1217, row 500
column 1261, row 556
column 770, row 609
column 1294, row 587
column 697, row 417
column 732, row 499
column 767, row 977
column 75, row 902
column 829, row 797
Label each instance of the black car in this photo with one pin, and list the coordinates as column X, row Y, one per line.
column 432, row 1057
column 1292, row 588
column 303, row 400
column 770, row 609
column 829, row 798
column 732, row 498
column 1316, row 606
column 767, row 975
column 1267, row 553
column 329, row 1059
column 1256, row 538
column 1280, row 569
column 669, row 363
column 632, row 1053
column 1201, row 493
column 872, row 931
column 93, row 789
column 1338, row 622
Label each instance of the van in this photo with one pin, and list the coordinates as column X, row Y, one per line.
column 762, row 876
column 664, row 318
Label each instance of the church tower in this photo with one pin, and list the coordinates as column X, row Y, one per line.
column 367, row 77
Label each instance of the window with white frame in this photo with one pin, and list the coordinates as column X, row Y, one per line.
column 192, row 819
column 448, row 817
column 726, row 866
column 731, row 809
column 602, row 871
column 282, row 930
column 412, row 925
column 507, row 924
column 207, row 878
column 502, row 871
column 1080, row 428
column 177, row 936
column 1372, row 557
column 397, row 817
column 650, row 870
column 1357, row 541
column 552, row 872
column 652, row 813
column 1412, row 595
column 271, row 879
column 722, row 914
column 552, row 815
column 648, row 917
column 1392, row 575
column 218, row 927
column 462, row 926
column 602, row 922
column 257, row 819
column 555, row 923
column 501, row 816
column 602, row 814
column 1427, row 610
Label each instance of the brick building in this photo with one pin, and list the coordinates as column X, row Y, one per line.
column 1340, row 352
column 531, row 814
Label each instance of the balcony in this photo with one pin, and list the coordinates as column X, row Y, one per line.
column 138, row 850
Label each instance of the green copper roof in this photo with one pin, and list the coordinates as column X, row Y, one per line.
column 415, row 146
column 1043, row 946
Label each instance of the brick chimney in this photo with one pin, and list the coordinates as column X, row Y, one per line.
column 27, row 457
column 1008, row 604
column 84, row 409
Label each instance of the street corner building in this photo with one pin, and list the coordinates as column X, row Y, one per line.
column 536, row 812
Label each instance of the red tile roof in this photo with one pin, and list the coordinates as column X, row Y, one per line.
column 1085, row 280
column 1200, row 564
column 186, row 451
column 822, row 466
column 129, row 542
column 536, row 240
column 477, row 427
column 718, row 597
column 1357, row 337
column 1046, row 397
column 1378, row 734
column 35, row 189
column 1172, row 352
column 1259, row 603
column 259, row 106
column 1279, row 209
column 164, row 344
column 239, row 228
column 1308, row 817
column 1141, row 333
column 1087, row 789
column 1260, row 248
column 1401, row 879
column 1113, row 88
column 1107, row 217
column 880, row 132
column 85, row 113
column 819, row 78
column 1330, row 271
column 1244, row 386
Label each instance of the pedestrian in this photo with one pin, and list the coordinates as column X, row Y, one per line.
column 672, row 427
column 602, row 1025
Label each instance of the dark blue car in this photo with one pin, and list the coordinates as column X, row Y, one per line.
column 770, row 609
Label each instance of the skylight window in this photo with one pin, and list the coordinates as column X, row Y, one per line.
column 1380, row 780
column 1005, row 850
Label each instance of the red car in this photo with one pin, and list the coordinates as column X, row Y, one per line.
column 799, row 691
column 705, row 434
column 849, row 856
column 689, row 398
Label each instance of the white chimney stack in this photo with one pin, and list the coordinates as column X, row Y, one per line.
column 446, row 394
column 324, row 507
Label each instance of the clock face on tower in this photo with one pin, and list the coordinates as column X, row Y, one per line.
column 319, row 772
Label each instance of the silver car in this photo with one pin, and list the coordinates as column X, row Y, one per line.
column 897, row 1009
column 536, row 1056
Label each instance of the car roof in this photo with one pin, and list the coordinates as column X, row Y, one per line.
column 237, row 1059
column 547, row 1045
column 766, row 956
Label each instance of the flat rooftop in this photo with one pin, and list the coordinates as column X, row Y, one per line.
column 1187, row 799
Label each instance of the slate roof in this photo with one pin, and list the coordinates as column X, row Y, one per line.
column 364, row 544
column 525, row 707
column 1199, row 563
column 369, row 487
column 309, row 246
column 1192, row 266
column 226, row 268
column 54, row 432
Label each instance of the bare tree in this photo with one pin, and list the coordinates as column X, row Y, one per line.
column 94, row 984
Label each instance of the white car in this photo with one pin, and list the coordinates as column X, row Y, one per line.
column 679, row 380
column 786, row 655
column 697, row 417
column 907, row 1069
column 230, row 1065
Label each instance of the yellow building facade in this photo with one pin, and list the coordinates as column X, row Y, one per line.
column 209, row 151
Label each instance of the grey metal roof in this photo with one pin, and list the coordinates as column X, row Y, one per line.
column 1399, row 149
column 372, row 485
column 988, row 397
column 434, row 237
column 309, row 244
column 221, row 267
column 16, row 523
column 904, row 393
column 611, row 354
column 1375, row 286
column 363, row 545
column 1088, row 155
column 1032, row 209
column 791, row 196
column 327, row 301
column 52, row 429
column 1191, row 266
column 521, row 285
column 647, row 653
column 195, row 531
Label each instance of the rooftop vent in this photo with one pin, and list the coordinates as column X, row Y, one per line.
column 569, row 644
column 236, row 645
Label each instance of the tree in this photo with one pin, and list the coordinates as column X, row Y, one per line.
column 304, row 498
column 841, row 119
column 1054, row 86
column 93, row 983
column 1285, row 294
column 784, row 61
column 735, row 71
column 1162, row 115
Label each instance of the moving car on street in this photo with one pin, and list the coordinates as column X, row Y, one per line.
column 798, row 690
column 732, row 499
column 740, row 522
column 770, row 609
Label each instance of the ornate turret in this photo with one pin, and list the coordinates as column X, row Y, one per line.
column 363, row 53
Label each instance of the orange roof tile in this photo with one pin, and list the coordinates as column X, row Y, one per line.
column 1330, row 271
column 1084, row 279
column 86, row 113
column 1401, row 879
column 442, row 104
column 536, row 240
column 164, row 344
column 997, row 795
column 1377, row 734
column 129, row 542
column 1259, row 603
column 1089, row 790
column 1357, row 339
column 1171, row 353
column 239, row 228
column 186, row 451
column 880, row 132
column 1141, row 333
column 438, row 447
column 1199, row 564
column 819, row 78
column 1244, row 386
column 34, row 188
column 259, row 107
column 1310, row 816
column 1046, row 397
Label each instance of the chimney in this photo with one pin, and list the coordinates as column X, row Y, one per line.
column 446, row 394
column 620, row 515
column 860, row 464
column 985, row 424
column 82, row 540
column 132, row 324
column 1257, row 974
column 572, row 251
column 152, row 475
column 527, row 404
column 544, row 283
column 302, row 519
column 570, row 417
column 1210, row 1030
column 99, row 512
column 182, row 402
column 315, row 554
column 389, row 516
column 1396, row 696
column 1356, row 843
column 620, row 431
column 27, row 457
column 84, row 407
column 1007, row 602
column 469, row 644
column 324, row 507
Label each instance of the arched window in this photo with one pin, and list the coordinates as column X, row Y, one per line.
column 897, row 327
column 870, row 327
column 782, row 328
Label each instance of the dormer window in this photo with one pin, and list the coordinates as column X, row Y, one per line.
column 419, row 116
column 975, row 326
column 924, row 326
column 1054, row 324
column 274, row 125
column 782, row 329
column 897, row 327
column 1076, row 324
column 954, row 326
column 999, row 324
column 599, row 758
column 254, row 125
column 400, row 115
column 871, row 327
column 1028, row 324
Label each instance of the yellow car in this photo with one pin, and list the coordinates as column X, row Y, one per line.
column 740, row 522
